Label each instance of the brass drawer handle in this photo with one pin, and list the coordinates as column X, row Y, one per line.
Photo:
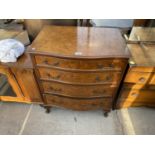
column 48, row 75
column 134, row 94
column 56, row 64
column 108, row 78
column 141, row 79
column 55, row 89
column 52, row 100
column 57, row 77
column 100, row 66
column 111, row 65
column 45, row 61
column 97, row 79
column 99, row 91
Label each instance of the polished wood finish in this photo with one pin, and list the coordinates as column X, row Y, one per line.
column 146, row 34
column 78, row 90
column 80, row 42
column 78, row 104
column 107, row 77
column 138, row 95
column 80, row 64
column 142, row 78
column 142, row 55
column 79, row 67
column 138, row 87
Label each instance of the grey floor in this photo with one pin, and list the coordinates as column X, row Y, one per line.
column 27, row 119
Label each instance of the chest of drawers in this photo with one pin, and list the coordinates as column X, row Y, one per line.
column 79, row 68
column 138, row 87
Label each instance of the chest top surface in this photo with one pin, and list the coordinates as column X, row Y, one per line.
column 142, row 55
column 80, row 42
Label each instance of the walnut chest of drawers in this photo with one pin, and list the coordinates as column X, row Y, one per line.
column 78, row 67
column 138, row 88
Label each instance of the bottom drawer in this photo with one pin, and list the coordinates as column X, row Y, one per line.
column 132, row 95
column 78, row 104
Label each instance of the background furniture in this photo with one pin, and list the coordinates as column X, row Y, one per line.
column 19, row 77
column 139, row 84
column 79, row 67
column 138, row 87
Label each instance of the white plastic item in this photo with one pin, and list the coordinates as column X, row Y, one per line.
column 10, row 50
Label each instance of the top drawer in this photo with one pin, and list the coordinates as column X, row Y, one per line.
column 142, row 78
column 95, row 64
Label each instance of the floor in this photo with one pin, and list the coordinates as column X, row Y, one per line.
column 24, row 119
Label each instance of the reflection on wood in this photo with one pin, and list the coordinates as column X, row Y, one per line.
column 142, row 34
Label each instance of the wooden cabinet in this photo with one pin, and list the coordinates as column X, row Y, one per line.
column 21, row 77
column 138, row 87
column 78, row 67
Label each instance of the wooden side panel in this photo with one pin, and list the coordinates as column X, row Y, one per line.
column 28, row 84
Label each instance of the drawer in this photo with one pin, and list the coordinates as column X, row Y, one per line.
column 137, row 95
column 138, row 86
column 85, row 64
column 142, row 69
column 109, row 77
column 79, row 90
column 78, row 104
column 140, row 78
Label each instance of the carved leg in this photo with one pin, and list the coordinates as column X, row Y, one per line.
column 41, row 105
column 48, row 109
column 105, row 113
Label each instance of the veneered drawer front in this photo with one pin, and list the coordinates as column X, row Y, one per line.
column 137, row 95
column 78, row 104
column 142, row 69
column 109, row 77
column 140, row 78
column 78, row 90
column 85, row 64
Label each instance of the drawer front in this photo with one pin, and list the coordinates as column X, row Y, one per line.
column 109, row 77
column 142, row 69
column 137, row 95
column 81, row 64
column 126, row 104
column 78, row 104
column 79, row 91
column 138, row 86
column 140, row 78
